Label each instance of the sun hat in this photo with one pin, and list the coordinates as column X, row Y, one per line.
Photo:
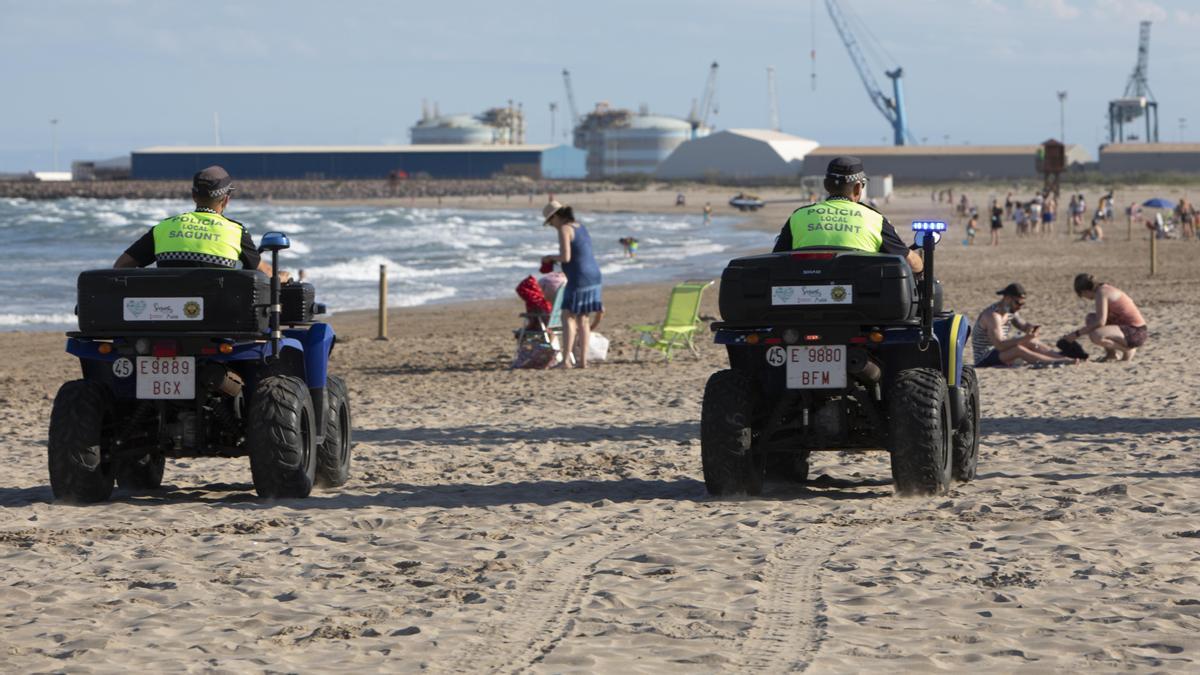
column 550, row 209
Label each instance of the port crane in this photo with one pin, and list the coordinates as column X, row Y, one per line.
column 708, row 102
column 891, row 107
column 1138, row 99
column 570, row 97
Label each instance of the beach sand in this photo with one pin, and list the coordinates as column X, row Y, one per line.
column 557, row 521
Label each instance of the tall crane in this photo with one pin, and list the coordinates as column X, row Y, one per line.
column 772, row 99
column 1138, row 99
column 708, row 101
column 891, row 107
column 570, row 97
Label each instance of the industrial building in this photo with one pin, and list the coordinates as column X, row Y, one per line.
column 350, row 162
column 738, row 154
column 495, row 126
column 925, row 163
column 1121, row 158
column 619, row 142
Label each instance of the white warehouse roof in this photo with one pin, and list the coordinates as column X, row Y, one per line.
column 739, row 154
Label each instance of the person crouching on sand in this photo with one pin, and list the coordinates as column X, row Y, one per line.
column 990, row 337
column 1116, row 324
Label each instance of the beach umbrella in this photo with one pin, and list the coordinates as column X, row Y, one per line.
column 1159, row 203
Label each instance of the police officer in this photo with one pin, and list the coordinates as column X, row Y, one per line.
column 842, row 220
column 201, row 238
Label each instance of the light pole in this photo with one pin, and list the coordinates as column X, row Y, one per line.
column 54, row 143
column 553, row 110
column 1062, row 117
column 1182, row 126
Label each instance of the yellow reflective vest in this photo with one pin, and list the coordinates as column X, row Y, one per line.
column 842, row 223
column 200, row 237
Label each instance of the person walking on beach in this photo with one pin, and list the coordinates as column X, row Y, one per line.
column 1116, row 324
column 582, row 293
column 997, row 222
column 842, row 220
column 205, row 237
column 990, row 337
column 707, row 213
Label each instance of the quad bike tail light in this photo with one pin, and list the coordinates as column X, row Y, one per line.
column 165, row 348
column 105, row 348
column 814, row 256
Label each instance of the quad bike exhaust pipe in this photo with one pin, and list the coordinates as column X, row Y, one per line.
column 862, row 368
column 216, row 377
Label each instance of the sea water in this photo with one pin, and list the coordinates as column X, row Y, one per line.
column 432, row 255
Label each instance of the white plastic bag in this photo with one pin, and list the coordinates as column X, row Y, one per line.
column 597, row 347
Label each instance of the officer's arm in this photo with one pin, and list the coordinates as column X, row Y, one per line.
column 915, row 261
column 139, row 254
column 784, row 241
column 896, row 246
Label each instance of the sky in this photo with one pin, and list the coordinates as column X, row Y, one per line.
column 124, row 74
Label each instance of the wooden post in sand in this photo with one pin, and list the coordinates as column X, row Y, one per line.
column 1153, row 252
column 382, row 303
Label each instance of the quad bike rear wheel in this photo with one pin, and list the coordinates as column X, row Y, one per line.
column 79, row 423
column 732, row 465
column 281, row 438
column 920, row 432
column 333, row 455
column 966, row 436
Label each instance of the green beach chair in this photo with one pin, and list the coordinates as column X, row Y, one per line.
column 679, row 328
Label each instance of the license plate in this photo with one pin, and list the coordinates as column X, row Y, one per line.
column 816, row 367
column 172, row 377
column 831, row 294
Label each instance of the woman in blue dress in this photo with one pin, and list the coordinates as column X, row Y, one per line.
column 583, row 280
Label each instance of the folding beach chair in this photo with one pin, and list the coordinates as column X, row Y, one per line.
column 679, row 328
column 539, row 339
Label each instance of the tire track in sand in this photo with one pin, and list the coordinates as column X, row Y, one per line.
column 541, row 611
column 789, row 621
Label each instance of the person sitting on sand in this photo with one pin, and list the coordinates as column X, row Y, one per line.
column 990, row 337
column 1116, row 325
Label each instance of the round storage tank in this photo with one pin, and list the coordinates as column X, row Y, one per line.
column 639, row 147
column 452, row 130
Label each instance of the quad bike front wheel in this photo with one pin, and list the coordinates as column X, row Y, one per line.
column 281, row 438
column 966, row 436
column 333, row 455
column 919, row 437
column 731, row 463
column 79, row 422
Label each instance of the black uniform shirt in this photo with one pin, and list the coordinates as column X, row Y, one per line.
column 891, row 240
column 142, row 250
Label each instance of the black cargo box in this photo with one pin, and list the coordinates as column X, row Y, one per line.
column 842, row 287
column 117, row 301
column 296, row 301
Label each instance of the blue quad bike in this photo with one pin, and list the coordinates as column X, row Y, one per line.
column 196, row 362
column 839, row 350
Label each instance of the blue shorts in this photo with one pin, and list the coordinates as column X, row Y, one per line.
column 990, row 360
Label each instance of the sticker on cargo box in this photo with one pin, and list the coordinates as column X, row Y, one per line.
column 811, row 295
column 164, row 309
column 122, row 367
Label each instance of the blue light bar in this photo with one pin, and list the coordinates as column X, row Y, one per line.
column 929, row 226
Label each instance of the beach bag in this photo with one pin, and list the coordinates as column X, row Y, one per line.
column 597, row 347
